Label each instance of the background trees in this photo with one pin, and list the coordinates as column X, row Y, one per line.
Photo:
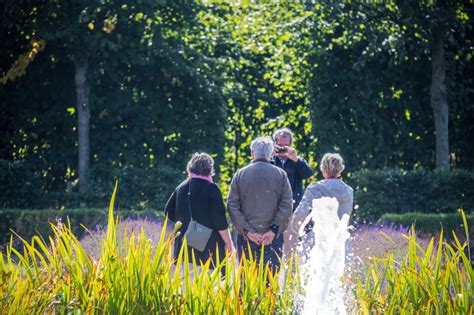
column 93, row 91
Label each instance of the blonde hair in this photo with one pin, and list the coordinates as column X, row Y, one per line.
column 332, row 164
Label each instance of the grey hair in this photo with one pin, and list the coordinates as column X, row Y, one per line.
column 283, row 133
column 201, row 164
column 262, row 148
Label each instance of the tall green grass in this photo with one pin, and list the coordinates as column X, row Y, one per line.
column 435, row 280
column 134, row 277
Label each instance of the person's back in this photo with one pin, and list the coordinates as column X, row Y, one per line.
column 260, row 205
column 332, row 166
column 260, row 187
column 336, row 188
column 200, row 200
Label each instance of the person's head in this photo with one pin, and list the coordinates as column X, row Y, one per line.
column 262, row 148
column 201, row 164
column 283, row 137
column 332, row 165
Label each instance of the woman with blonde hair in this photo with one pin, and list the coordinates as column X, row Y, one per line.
column 332, row 166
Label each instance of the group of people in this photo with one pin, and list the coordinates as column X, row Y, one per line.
column 266, row 201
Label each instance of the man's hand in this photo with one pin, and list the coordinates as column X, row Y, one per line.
column 255, row 237
column 292, row 154
column 275, row 150
column 268, row 238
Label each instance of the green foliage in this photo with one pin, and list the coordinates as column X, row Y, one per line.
column 259, row 52
column 169, row 78
column 151, row 105
column 142, row 188
column 430, row 223
column 370, row 84
column 435, row 280
column 20, row 183
column 134, row 277
column 394, row 191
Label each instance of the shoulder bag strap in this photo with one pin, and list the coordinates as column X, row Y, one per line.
column 189, row 199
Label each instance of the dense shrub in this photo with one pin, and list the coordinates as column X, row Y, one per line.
column 20, row 185
column 23, row 186
column 430, row 223
column 28, row 223
column 393, row 191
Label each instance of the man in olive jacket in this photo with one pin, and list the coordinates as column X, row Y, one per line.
column 260, row 203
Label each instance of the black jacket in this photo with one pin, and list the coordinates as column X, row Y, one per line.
column 296, row 171
column 207, row 208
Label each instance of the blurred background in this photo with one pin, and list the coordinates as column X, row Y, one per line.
column 98, row 91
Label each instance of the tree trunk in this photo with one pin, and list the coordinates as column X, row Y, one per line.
column 83, row 112
column 439, row 102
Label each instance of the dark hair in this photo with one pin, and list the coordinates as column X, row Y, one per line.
column 201, row 164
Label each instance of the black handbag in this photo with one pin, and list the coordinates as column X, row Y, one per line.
column 197, row 235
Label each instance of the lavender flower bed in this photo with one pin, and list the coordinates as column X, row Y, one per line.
column 151, row 228
column 370, row 242
column 367, row 241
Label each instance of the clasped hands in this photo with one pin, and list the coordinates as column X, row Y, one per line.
column 259, row 239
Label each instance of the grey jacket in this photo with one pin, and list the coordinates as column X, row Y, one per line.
column 260, row 196
column 325, row 188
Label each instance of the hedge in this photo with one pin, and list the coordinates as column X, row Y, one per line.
column 28, row 223
column 22, row 186
column 377, row 192
column 427, row 223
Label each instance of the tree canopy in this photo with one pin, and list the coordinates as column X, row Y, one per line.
column 131, row 89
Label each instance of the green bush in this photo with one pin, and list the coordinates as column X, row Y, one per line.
column 28, row 223
column 20, row 185
column 430, row 223
column 23, row 187
column 393, row 191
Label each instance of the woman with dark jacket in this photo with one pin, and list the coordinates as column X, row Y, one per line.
column 199, row 196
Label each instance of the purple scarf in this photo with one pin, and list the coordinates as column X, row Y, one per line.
column 208, row 177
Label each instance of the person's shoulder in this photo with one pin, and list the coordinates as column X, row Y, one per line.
column 213, row 187
column 347, row 186
column 301, row 159
column 242, row 170
column 315, row 185
column 277, row 170
column 182, row 184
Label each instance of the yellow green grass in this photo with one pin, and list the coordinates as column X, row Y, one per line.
column 434, row 280
column 133, row 278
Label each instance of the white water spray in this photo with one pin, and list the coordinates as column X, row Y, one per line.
column 324, row 268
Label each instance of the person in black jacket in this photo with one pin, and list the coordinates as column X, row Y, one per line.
column 295, row 166
column 207, row 208
column 297, row 169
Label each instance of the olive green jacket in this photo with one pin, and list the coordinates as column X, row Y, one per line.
column 260, row 196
